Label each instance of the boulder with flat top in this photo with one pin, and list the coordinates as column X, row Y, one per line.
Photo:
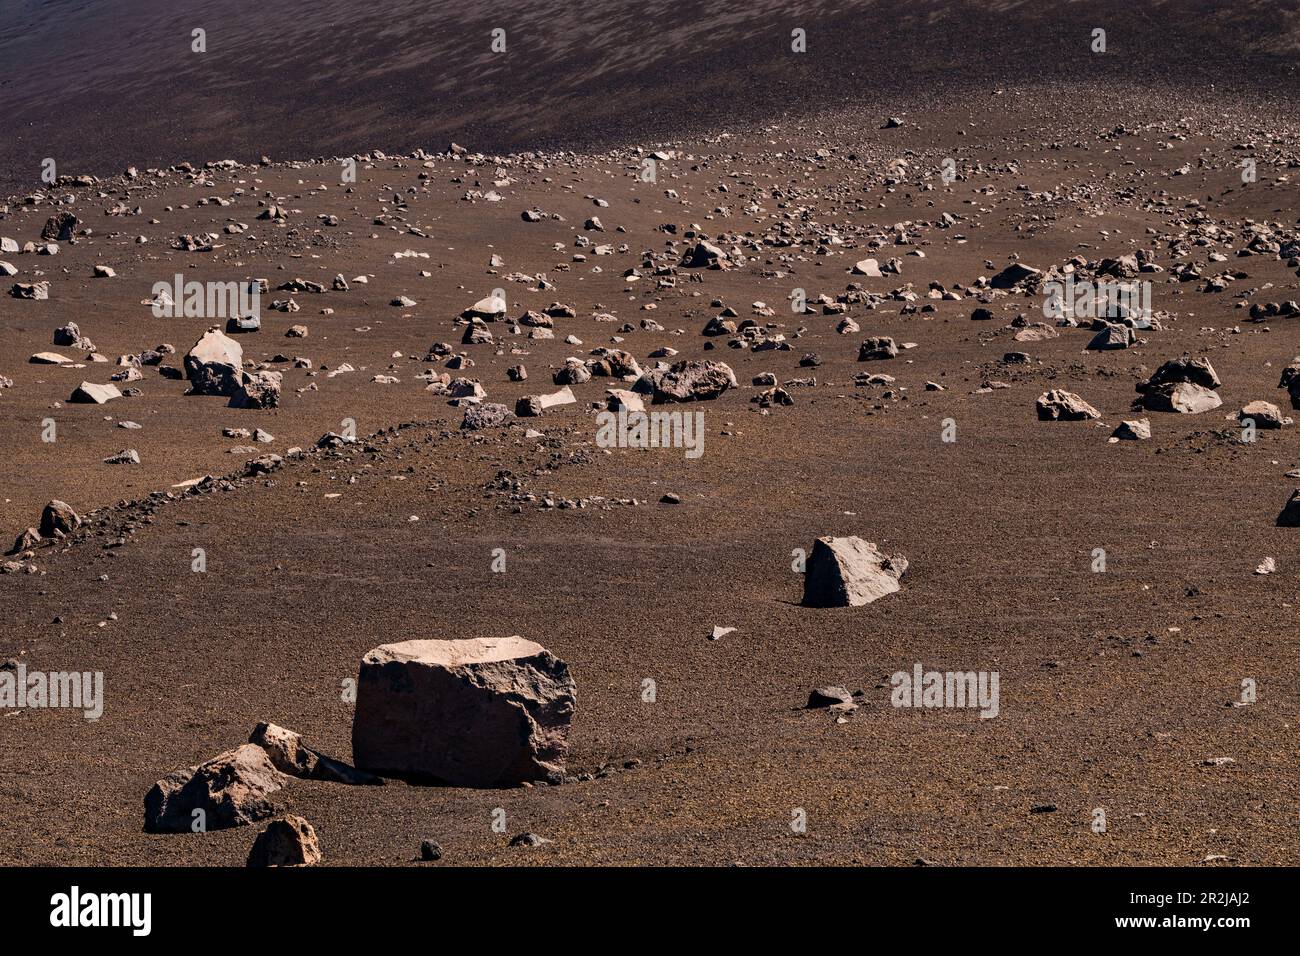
column 483, row 712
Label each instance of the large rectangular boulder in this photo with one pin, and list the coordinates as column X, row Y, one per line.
column 484, row 712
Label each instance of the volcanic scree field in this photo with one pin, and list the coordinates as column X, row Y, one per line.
column 842, row 325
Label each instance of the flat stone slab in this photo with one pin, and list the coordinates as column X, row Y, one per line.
column 90, row 393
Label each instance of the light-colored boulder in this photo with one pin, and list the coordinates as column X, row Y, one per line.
column 1059, row 405
column 31, row 290
column 1186, row 398
column 258, row 390
column 485, row 712
column 90, row 393
column 232, row 789
column 1135, row 430
column 291, row 755
column 849, row 572
column 484, row 415
column 622, row 398
column 491, row 308
column 214, row 364
column 531, row 405
column 287, row 841
column 1263, row 414
column 687, row 382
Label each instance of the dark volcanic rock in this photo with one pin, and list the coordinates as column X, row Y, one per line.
column 258, row 390
column 687, row 382
column 484, row 415
column 58, row 517
column 1197, row 371
column 1013, row 275
column 1289, row 517
column 880, row 347
column 60, row 228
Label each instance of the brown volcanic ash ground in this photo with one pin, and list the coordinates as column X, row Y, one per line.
column 1116, row 687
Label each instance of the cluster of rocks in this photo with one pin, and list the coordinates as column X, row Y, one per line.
column 215, row 366
column 1183, row 385
column 235, row 788
column 482, row 712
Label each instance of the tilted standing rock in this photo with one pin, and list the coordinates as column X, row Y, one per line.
column 290, row 755
column 703, row 255
column 1112, row 337
column 1289, row 517
column 1136, row 430
column 616, row 398
column 28, row 539
column 849, row 572
column 1013, row 275
column 58, row 517
column 485, row 712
